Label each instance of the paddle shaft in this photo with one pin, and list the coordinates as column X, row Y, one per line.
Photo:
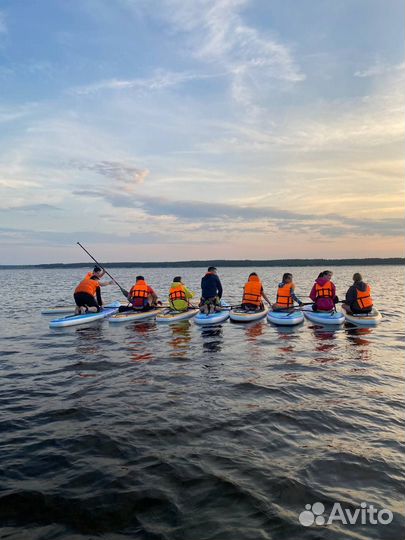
column 124, row 292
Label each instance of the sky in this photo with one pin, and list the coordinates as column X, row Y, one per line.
column 201, row 129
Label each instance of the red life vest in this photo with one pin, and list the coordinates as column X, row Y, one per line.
column 177, row 293
column 88, row 286
column 252, row 291
column 324, row 291
column 364, row 299
column 284, row 296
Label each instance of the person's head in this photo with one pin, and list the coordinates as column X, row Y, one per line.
column 320, row 275
column 287, row 277
column 327, row 274
column 177, row 279
column 140, row 278
column 357, row 277
column 212, row 270
column 252, row 274
column 97, row 271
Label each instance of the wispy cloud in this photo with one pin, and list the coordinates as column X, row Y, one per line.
column 160, row 80
column 379, row 68
column 125, row 175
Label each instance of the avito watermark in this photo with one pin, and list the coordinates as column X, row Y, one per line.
column 365, row 514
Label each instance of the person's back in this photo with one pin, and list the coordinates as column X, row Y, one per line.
column 358, row 296
column 211, row 291
column 285, row 294
column 141, row 294
column 323, row 293
column 179, row 295
column 253, row 293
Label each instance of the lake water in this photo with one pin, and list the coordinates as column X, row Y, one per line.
column 181, row 433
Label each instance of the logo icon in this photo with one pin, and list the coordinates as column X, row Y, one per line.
column 312, row 514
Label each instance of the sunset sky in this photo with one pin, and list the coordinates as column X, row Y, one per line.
column 195, row 129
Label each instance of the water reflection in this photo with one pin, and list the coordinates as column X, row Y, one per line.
column 140, row 347
column 213, row 338
column 88, row 339
column 180, row 339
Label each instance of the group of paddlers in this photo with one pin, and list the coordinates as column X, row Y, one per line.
column 141, row 296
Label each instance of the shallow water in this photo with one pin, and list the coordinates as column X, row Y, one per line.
column 151, row 431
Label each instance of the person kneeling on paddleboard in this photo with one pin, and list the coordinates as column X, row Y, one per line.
column 211, row 291
column 358, row 296
column 179, row 295
column 285, row 294
column 87, row 294
column 252, row 294
column 323, row 293
column 141, row 296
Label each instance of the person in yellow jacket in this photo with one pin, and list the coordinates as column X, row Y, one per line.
column 285, row 294
column 253, row 293
column 179, row 295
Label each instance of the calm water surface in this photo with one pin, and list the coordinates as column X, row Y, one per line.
column 181, row 433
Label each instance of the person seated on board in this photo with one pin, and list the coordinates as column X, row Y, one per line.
column 100, row 273
column 211, row 292
column 323, row 293
column 285, row 294
column 141, row 296
column 358, row 296
column 253, row 294
column 87, row 294
column 179, row 295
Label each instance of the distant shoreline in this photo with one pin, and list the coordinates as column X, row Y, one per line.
column 219, row 263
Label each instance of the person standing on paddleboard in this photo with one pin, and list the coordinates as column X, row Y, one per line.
column 211, row 291
column 285, row 294
column 87, row 294
column 358, row 296
column 253, row 294
column 323, row 293
column 179, row 295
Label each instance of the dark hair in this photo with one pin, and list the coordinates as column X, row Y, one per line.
column 211, row 269
column 96, row 269
column 357, row 277
column 321, row 274
column 139, row 277
column 177, row 279
column 287, row 275
column 253, row 274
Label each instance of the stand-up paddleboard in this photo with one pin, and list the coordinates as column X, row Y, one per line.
column 171, row 315
column 213, row 318
column 64, row 310
column 285, row 318
column 243, row 315
column 75, row 320
column 133, row 316
column 324, row 317
column 363, row 319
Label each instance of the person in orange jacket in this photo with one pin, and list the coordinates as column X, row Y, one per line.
column 87, row 294
column 99, row 272
column 285, row 294
column 142, row 296
column 253, row 294
column 323, row 293
column 358, row 296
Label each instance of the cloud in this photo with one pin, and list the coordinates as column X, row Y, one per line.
column 238, row 216
column 379, row 68
column 160, row 80
column 40, row 207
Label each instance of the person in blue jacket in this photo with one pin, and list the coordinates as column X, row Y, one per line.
column 211, row 291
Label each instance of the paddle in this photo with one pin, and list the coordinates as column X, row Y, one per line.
column 124, row 292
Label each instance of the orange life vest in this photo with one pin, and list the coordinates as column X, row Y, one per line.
column 89, row 275
column 324, row 291
column 177, row 293
column 364, row 298
column 139, row 290
column 252, row 291
column 284, row 296
column 88, row 286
